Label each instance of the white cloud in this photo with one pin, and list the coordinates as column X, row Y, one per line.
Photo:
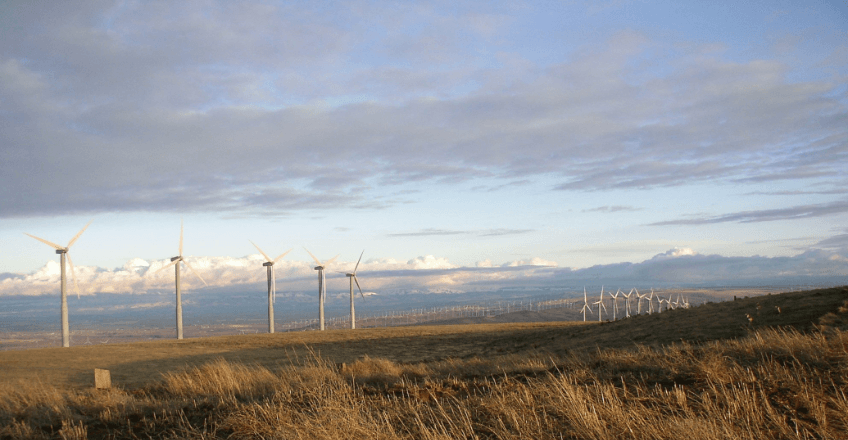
column 535, row 261
column 431, row 274
column 198, row 80
column 675, row 252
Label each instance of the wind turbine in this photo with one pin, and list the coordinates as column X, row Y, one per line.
column 272, row 283
column 627, row 302
column 585, row 304
column 651, row 302
column 353, row 279
column 601, row 304
column 63, row 252
column 639, row 302
column 322, row 291
column 614, row 303
column 175, row 261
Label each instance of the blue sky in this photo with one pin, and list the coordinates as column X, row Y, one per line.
column 434, row 136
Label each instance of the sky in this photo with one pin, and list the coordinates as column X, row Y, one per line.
column 480, row 145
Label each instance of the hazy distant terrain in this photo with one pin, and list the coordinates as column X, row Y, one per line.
column 31, row 322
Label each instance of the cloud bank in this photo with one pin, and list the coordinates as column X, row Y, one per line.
column 159, row 107
column 430, row 274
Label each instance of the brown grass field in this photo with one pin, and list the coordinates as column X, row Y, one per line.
column 772, row 366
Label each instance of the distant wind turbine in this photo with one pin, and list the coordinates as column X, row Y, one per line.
column 272, row 283
column 353, row 279
column 63, row 252
column 651, row 301
column 175, row 261
column 627, row 302
column 586, row 305
column 322, row 285
column 614, row 303
column 639, row 302
column 600, row 303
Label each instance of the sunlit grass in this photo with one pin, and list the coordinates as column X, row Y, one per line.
column 774, row 383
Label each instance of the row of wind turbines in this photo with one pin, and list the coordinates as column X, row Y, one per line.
column 680, row 302
column 64, row 254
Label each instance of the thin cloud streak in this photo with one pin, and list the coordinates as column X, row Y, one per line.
column 615, row 208
column 429, row 232
column 766, row 215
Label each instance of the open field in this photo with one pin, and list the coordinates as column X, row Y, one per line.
column 714, row 371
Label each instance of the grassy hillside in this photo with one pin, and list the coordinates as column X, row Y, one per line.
column 715, row 371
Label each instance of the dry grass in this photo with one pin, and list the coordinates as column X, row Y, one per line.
column 774, row 383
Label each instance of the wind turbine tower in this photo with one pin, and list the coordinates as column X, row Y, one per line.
column 175, row 261
column 600, row 303
column 640, row 297
column 651, row 302
column 627, row 302
column 272, row 283
column 322, row 292
column 614, row 303
column 352, row 277
column 585, row 304
column 63, row 253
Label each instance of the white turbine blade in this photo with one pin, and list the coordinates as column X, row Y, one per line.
column 193, row 271
column 166, row 266
column 360, row 289
column 78, row 234
column 330, row 261
column 48, row 243
column 357, row 262
column 260, row 251
column 73, row 276
column 282, row 255
column 181, row 237
column 313, row 256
